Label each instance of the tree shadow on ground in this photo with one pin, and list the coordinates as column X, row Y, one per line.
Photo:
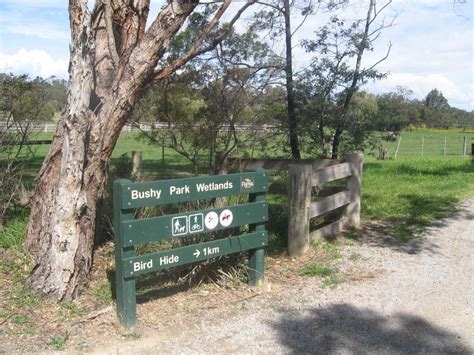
column 343, row 328
column 407, row 235
column 395, row 235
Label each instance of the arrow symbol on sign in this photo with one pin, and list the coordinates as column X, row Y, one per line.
column 197, row 253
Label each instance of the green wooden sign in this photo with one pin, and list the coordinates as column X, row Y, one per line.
column 143, row 264
column 189, row 189
column 142, row 231
column 130, row 232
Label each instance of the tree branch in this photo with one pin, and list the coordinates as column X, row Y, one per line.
column 110, row 32
column 195, row 49
column 304, row 19
column 380, row 60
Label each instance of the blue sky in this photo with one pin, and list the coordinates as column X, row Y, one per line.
column 433, row 44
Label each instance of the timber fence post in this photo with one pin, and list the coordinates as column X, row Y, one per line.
column 137, row 164
column 398, row 147
column 352, row 212
column 299, row 202
column 163, row 151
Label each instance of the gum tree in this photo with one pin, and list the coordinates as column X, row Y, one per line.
column 336, row 74
column 115, row 55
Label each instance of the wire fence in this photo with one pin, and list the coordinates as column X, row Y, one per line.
column 431, row 145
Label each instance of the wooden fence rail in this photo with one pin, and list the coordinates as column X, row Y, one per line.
column 302, row 178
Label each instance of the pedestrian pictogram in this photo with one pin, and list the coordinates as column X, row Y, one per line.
column 196, row 223
column 179, row 225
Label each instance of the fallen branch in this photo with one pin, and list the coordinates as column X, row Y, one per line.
column 7, row 318
column 92, row 315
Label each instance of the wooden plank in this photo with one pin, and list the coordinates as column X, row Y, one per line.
column 330, row 203
column 354, row 185
column 318, row 164
column 331, row 173
column 276, row 164
column 35, row 142
column 141, row 231
column 154, row 193
column 138, row 265
column 329, row 231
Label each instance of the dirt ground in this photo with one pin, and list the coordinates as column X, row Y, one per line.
column 410, row 298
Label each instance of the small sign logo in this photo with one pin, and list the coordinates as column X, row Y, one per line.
column 226, row 217
column 179, row 225
column 247, row 183
column 211, row 220
column 196, row 223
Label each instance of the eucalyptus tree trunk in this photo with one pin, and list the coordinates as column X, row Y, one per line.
column 113, row 58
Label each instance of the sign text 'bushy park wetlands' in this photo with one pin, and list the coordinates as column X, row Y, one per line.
column 178, row 190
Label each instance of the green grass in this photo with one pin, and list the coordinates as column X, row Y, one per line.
column 11, row 236
column 414, row 192
column 356, row 257
column 131, row 336
column 332, row 281
column 317, row 269
column 58, row 342
column 103, row 293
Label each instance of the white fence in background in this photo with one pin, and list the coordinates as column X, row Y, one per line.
column 431, row 145
column 50, row 127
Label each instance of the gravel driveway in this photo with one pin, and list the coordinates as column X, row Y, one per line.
column 419, row 301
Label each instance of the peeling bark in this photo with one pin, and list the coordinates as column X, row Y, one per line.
column 103, row 89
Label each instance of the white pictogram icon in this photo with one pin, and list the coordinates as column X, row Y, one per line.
column 179, row 225
column 196, row 223
column 211, row 220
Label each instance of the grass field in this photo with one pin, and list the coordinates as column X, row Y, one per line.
column 410, row 191
column 429, row 143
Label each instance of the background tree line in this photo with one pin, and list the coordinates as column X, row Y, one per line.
column 24, row 103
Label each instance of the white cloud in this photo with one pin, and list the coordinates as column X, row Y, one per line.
column 35, row 62
column 432, row 48
column 35, row 3
column 39, row 30
column 421, row 84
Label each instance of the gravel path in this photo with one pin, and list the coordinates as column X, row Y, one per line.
column 419, row 301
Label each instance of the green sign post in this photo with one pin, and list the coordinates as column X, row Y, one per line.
column 130, row 232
